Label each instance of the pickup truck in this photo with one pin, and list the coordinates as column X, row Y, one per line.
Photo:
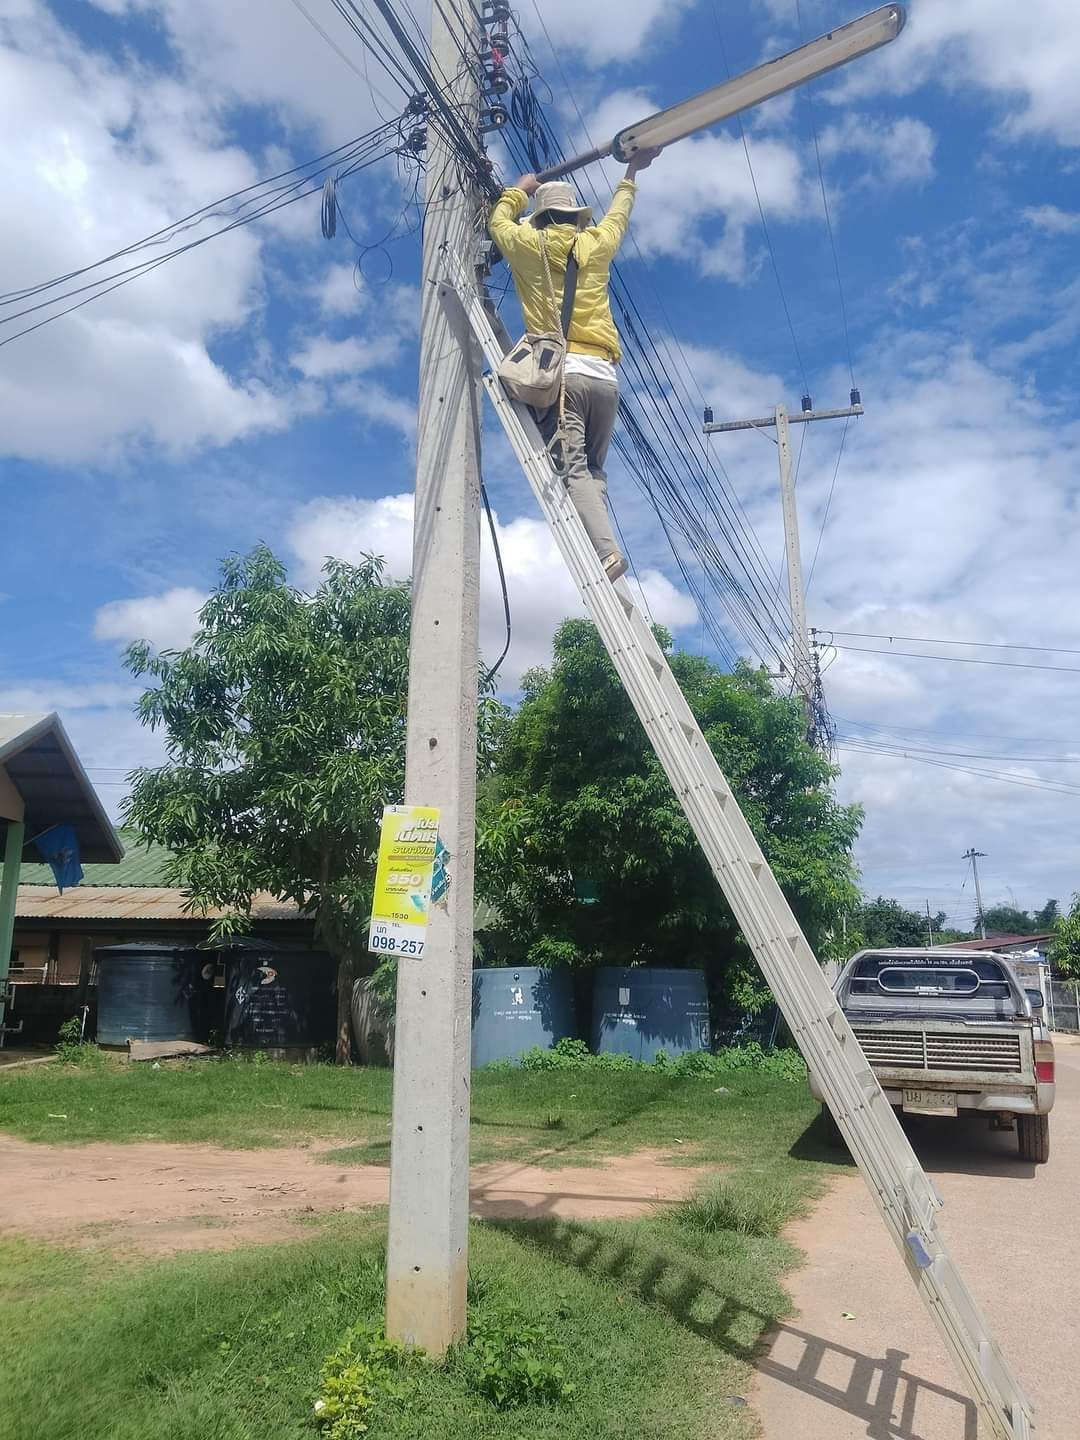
column 947, row 1031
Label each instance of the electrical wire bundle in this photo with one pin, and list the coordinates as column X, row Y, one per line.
column 220, row 217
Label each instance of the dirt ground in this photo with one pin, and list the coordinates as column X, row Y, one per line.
column 158, row 1198
column 863, row 1357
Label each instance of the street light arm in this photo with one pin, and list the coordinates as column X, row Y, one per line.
column 860, row 37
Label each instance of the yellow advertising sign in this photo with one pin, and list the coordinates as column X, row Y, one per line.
column 399, row 911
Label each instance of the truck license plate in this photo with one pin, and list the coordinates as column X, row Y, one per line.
column 930, row 1102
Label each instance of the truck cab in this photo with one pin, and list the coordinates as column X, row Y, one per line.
column 951, row 1031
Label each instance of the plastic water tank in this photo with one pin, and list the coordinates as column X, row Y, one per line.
column 517, row 1008
column 279, row 998
column 639, row 1011
column 153, row 992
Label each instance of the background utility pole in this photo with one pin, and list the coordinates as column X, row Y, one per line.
column 929, row 926
column 427, row 1252
column 800, row 635
column 975, row 856
column 806, row 679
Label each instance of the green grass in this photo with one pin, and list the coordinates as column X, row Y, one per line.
column 659, row 1318
column 749, row 1204
column 558, row 1118
column 658, row 1321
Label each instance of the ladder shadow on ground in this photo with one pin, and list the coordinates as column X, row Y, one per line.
column 875, row 1389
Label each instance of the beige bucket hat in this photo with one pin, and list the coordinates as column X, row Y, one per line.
column 558, row 195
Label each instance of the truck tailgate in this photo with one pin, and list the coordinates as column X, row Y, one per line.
column 956, row 1053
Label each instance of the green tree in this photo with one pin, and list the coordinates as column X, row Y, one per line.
column 284, row 725
column 883, row 922
column 1047, row 917
column 585, row 848
column 1064, row 953
column 1008, row 920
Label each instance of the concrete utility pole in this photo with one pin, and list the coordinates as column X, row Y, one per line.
column 800, row 635
column 804, row 669
column 929, row 926
column 427, row 1253
column 975, row 856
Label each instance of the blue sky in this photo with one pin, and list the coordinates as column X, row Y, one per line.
column 262, row 388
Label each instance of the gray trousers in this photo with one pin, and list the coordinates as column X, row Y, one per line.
column 591, row 410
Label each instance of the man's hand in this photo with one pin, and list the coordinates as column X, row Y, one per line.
column 641, row 160
column 529, row 183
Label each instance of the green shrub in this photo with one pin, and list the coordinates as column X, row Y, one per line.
column 510, row 1360
column 752, row 1206
column 72, row 1049
column 365, row 1372
column 575, row 1055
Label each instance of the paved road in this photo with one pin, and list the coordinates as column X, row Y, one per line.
column 863, row 1359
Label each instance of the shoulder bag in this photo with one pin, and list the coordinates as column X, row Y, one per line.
column 532, row 370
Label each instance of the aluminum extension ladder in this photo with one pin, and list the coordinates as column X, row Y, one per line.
column 904, row 1194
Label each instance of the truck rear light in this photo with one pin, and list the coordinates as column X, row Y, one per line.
column 1044, row 1062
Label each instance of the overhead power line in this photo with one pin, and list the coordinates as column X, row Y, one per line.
column 955, row 733
column 254, row 202
column 828, row 504
column 960, row 659
column 809, row 91
column 997, row 775
column 761, row 214
column 977, row 754
column 937, row 640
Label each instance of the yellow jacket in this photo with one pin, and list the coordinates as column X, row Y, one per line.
column 592, row 330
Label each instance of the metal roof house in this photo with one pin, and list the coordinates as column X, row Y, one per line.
column 1007, row 944
column 42, row 784
column 55, row 935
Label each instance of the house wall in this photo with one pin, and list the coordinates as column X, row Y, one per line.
column 55, row 957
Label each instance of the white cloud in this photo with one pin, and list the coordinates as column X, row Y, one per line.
column 699, row 182
column 167, row 620
column 896, row 152
column 667, row 605
column 347, row 529
column 346, row 363
column 245, row 52
column 322, row 357
column 1023, row 55
column 338, row 291
column 953, row 518
column 118, row 151
column 603, row 30
column 377, row 405
column 1052, row 220
column 542, row 593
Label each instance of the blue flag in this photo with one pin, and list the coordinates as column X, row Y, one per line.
column 61, row 849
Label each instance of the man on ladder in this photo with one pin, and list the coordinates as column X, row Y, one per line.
column 554, row 253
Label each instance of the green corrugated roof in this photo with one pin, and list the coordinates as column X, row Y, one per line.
column 138, row 867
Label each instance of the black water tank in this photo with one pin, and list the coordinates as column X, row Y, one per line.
column 279, row 998
column 150, row 991
column 518, row 1007
column 640, row 1011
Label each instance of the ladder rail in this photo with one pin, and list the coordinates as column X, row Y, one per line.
column 904, row 1195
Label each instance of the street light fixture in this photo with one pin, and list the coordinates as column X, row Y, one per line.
column 860, row 37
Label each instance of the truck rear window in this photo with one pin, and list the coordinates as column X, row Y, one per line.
column 881, row 975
